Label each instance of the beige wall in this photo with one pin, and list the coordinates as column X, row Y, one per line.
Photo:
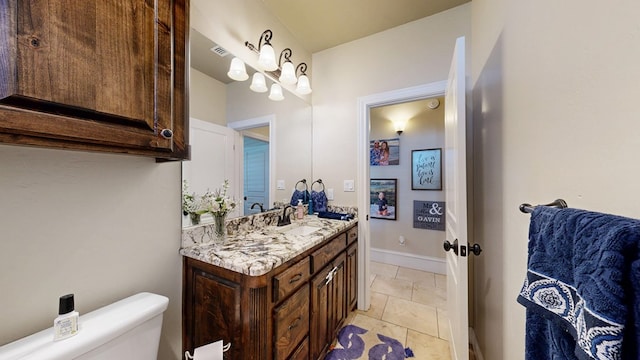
column 555, row 88
column 100, row 226
column 402, row 57
column 423, row 131
column 207, row 98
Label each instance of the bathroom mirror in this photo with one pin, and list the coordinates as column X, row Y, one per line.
column 253, row 119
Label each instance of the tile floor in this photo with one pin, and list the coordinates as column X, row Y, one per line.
column 410, row 306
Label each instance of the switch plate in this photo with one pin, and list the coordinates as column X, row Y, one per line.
column 280, row 185
column 329, row 194
column 349, row 185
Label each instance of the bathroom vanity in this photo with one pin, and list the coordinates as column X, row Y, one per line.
column 273, row 293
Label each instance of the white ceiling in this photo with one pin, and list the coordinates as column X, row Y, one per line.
column 322, row 24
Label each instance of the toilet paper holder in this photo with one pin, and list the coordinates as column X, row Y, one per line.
column 188, row 355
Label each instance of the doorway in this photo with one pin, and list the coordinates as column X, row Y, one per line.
column 255, row 174
column 365, row 104
column 260, row 128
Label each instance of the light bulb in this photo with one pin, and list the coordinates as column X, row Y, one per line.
column 237, row 70
column 276, row 93
column 288, row 74
column 303, row 87
column 258, row 83
column 267, row 59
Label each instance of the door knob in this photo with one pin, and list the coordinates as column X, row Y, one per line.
column 475, row 249
column 448, row 246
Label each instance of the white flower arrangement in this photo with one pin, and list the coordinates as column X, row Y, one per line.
column 193, row 203
column 216, row 203
column 221, row 204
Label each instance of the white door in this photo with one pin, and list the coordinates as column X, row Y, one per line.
column 256, row 174
column 212, row 157
column 456, row 205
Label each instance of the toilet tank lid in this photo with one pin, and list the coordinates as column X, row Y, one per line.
column 96, row 328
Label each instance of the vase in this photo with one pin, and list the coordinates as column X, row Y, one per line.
column 220, row 230
column 195, row 218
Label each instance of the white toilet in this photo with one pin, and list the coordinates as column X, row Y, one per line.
column 127, row 329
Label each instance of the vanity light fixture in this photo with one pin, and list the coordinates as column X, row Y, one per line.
column 237, row 70
column 276, row 92
column 267, row 57
column 258, row 83
column 303, row 87
column 288, row 72
column 399, row 126
column 284, row 70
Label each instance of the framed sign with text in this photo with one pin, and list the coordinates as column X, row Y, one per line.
column 426, row 169
column 429, row 215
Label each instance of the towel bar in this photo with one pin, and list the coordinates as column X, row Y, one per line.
column 528, row 208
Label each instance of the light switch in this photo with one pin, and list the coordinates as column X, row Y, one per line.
column 280, row 184
column 349, row 185
column 329, row 194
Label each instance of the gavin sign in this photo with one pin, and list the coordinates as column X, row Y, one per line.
column 428, row 215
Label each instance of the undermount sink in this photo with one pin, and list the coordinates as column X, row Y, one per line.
column 297, row 229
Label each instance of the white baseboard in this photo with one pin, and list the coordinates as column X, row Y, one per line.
column 417, row 262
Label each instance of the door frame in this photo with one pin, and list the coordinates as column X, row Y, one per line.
column 267, row 120
column 365, row 103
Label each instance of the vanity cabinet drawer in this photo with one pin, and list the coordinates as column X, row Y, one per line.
column 352, row 235
column 322, row 256
column 291, row 323
column 287, row 281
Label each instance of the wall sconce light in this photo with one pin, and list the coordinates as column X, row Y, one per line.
column 303, row 87
column 399, row 125
column 267, row 57
column 288, row 73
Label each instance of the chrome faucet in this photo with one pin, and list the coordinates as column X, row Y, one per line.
column 259, row 204
column 284, row 219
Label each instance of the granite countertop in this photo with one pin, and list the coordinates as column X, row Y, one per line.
column 258, row 251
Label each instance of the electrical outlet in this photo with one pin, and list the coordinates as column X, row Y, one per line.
column 280, row 185
column 401, row 240
column 329, row 194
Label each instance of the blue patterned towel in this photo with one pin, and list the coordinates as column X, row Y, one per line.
column 319, row 200
column 582, row 289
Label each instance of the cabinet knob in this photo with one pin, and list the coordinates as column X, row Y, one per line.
column 166, row 133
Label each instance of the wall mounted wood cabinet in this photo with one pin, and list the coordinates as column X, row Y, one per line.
column 95, row 75
column 292, row 312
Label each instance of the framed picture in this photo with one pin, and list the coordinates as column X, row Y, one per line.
column 382, row 198
column 426, row 169
column 383, row 152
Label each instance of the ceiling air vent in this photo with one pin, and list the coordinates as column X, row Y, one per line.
column 219, row 50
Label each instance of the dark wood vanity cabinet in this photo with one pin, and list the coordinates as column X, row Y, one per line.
column 291, row 313
column 105, row 76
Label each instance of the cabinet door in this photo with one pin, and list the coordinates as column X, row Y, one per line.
column 352, row 277
column 328, row 306
column 216, row 315
column 95, row 75
column 319, row 333
column 338, row 304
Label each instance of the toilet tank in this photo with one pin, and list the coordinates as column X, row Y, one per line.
column 127, row 329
